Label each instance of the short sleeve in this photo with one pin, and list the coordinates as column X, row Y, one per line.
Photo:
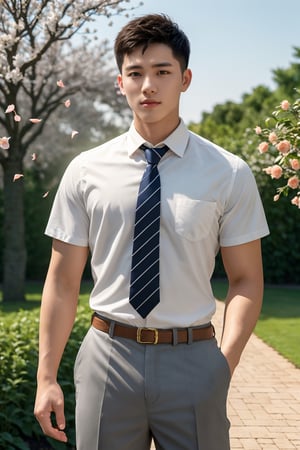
column 68, row 219
column 243, row 219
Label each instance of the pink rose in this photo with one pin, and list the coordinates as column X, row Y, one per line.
column 263, row 147
column 296, row 201
column 283, row 146
column 273, row 137
column 268, row 170
column 285, row 105
column 295, row 164
column 257, row 130
column 293, row 182
column 276, row 172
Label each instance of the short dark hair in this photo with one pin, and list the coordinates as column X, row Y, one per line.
column 152, row 29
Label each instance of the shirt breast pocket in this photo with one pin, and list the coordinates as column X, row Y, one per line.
column 194, row 219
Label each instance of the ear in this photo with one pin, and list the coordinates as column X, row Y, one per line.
column 120, row 84
column 186, row 79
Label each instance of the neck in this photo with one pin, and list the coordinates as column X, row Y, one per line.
column 155, row 133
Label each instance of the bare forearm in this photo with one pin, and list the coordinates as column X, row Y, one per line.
column 57, row 317
column 58, row 311
column 243, row 305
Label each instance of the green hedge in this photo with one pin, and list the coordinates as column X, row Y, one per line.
column 18, row 362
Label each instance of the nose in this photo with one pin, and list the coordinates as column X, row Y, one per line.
column 149, row 86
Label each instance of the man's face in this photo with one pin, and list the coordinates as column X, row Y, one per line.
column 152, row 83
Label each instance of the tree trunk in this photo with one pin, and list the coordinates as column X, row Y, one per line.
column 14, row 256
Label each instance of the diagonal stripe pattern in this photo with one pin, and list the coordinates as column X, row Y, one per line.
column 144, row 281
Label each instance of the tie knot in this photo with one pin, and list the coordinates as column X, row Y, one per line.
column 154, row 155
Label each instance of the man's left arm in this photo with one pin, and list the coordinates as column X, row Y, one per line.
column 243, row 266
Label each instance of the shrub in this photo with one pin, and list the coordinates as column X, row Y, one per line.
column 281, row 138
column 18, row 364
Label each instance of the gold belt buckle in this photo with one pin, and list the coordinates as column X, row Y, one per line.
column 139, row 335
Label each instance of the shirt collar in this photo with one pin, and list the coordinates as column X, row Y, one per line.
column 177, row 141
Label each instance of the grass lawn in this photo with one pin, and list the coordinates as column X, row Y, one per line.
column 279, row 322
column 278, row 326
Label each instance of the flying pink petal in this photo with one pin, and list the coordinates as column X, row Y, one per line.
column 60, row 84
column 17, row 118
column 33, row 156
column 17, row 176
column 10, row 109
column 46, row 194
column 74, row 133
column 35, row 120
column 4, row 142
column 68, row 103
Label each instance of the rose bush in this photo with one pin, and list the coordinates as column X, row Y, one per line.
column 280, row 143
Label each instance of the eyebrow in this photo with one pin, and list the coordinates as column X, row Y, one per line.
column 156, row 65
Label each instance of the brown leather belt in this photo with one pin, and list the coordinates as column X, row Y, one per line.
column 153, row 335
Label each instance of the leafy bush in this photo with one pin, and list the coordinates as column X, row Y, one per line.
column 280, row 139
column 18, row 364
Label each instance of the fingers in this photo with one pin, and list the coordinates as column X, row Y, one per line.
column 48, row 428
column 60, row 418
column 48, row 404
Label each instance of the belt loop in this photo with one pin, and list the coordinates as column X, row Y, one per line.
column 190, row 335
column 111, row 329
column 175, row 336
column 214, row 331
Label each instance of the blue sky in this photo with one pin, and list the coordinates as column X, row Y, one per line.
column 235, row 44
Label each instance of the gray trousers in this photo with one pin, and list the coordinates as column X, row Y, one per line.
column 129, row 393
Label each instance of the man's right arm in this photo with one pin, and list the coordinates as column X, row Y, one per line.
column 58, row 311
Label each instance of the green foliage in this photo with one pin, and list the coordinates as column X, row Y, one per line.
column 280, row 140
column 18, row 364
column 37, row 210
column 288, row 79
column 18, row 350
column 281, row 250
column 231, row 125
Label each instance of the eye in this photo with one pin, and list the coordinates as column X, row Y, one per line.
column 163, row 72
column 134, row 74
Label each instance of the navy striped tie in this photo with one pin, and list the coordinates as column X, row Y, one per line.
column 144, row 282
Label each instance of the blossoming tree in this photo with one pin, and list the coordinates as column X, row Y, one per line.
column 280, row 141
column 41, row 71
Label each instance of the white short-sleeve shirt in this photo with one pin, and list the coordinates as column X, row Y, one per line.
column 209, row 199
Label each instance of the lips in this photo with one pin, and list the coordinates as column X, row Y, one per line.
column 150, row 103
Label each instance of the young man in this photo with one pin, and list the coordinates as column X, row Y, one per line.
column 149, row 366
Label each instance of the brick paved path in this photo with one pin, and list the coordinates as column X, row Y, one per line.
column 264, row 398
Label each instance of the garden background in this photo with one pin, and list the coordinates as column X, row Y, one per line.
column 230, row 124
